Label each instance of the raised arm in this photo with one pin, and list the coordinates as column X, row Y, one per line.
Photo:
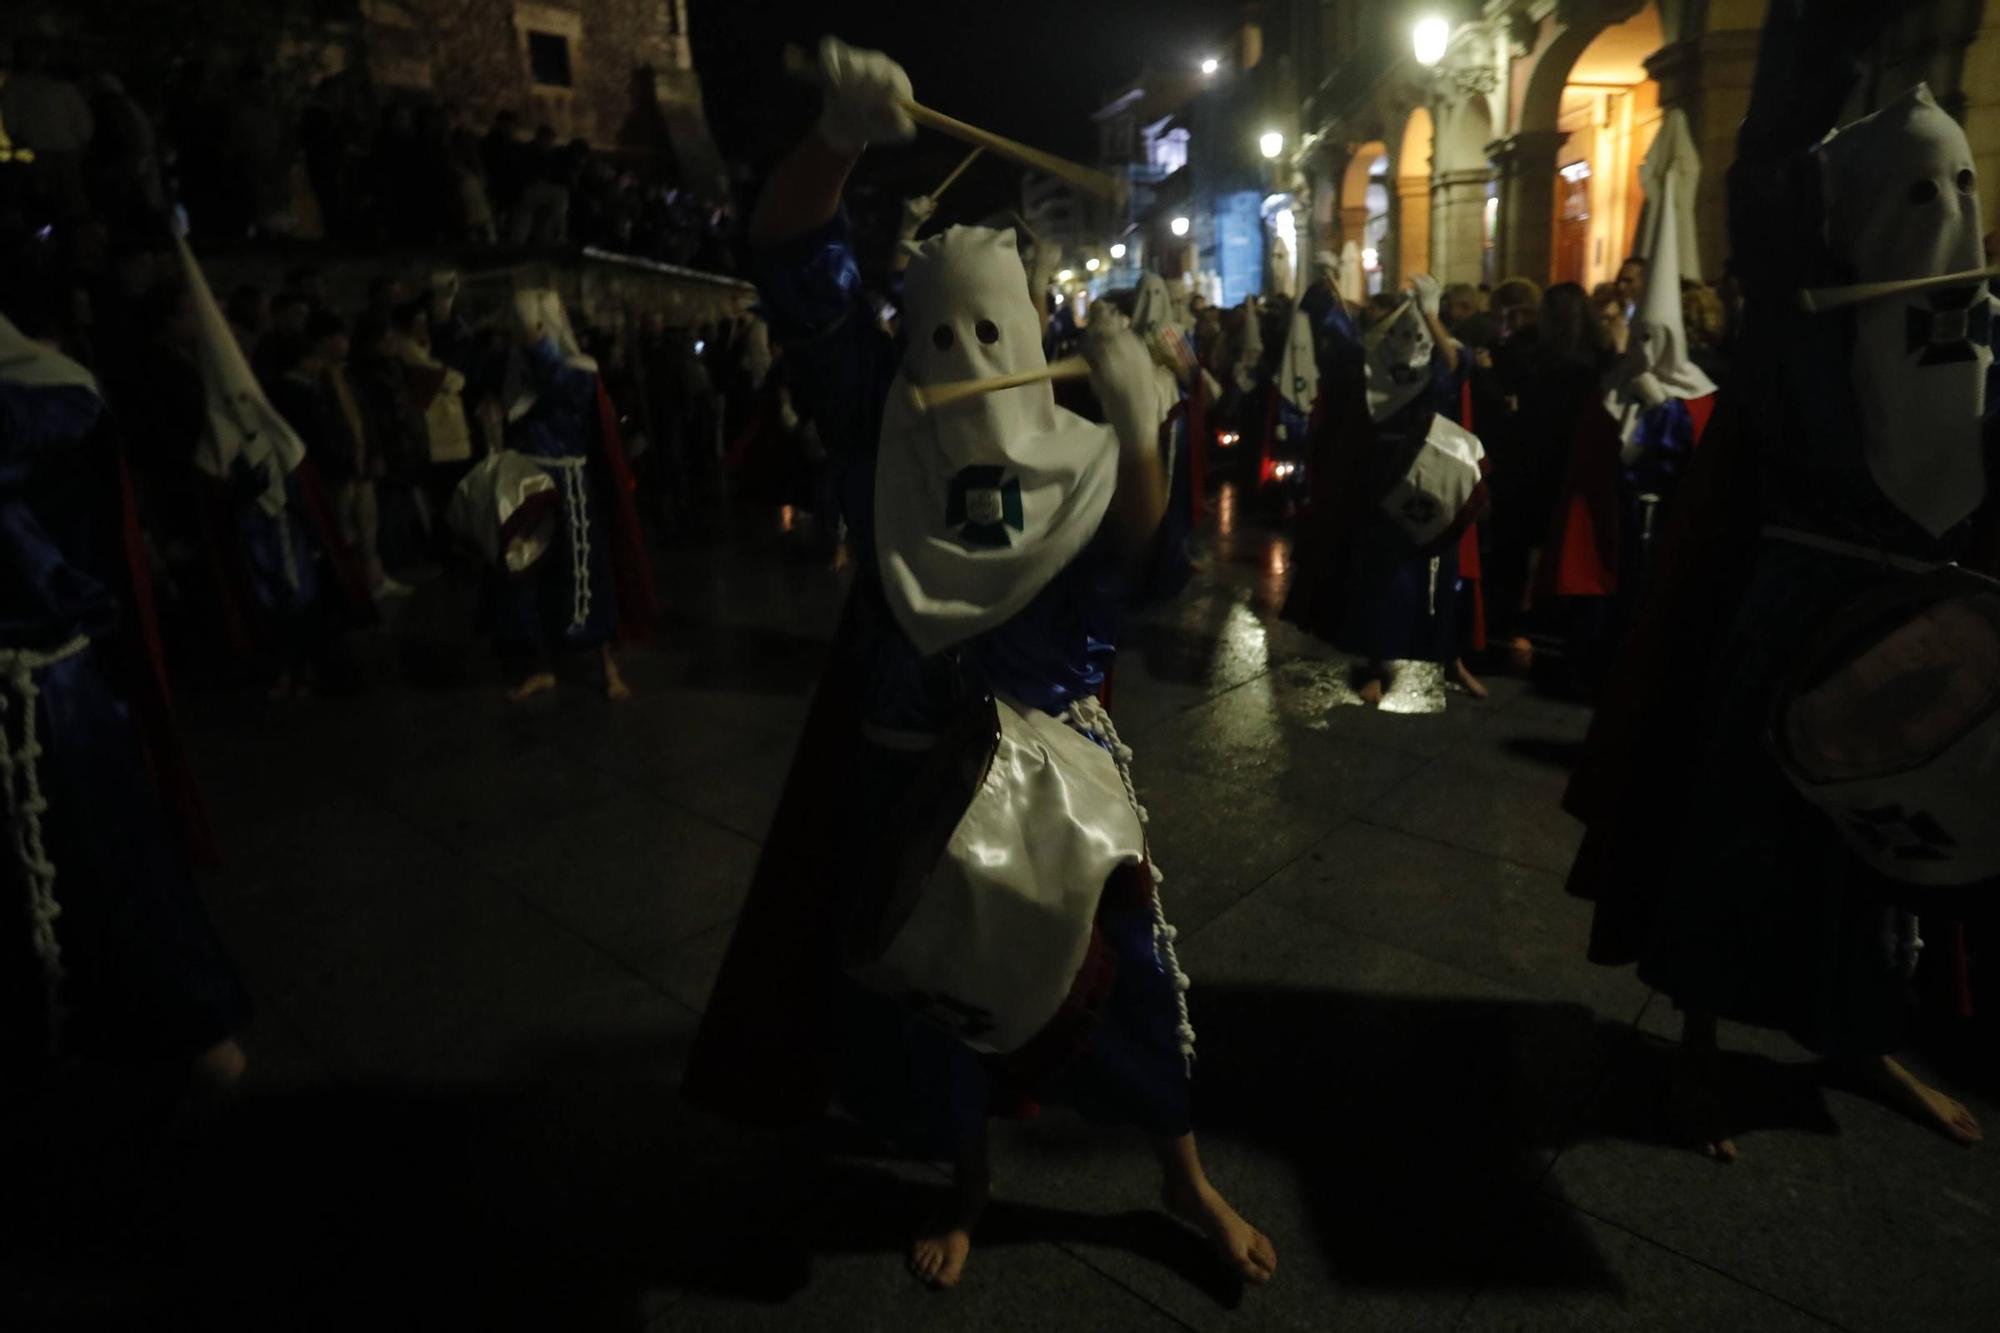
column 864, row 93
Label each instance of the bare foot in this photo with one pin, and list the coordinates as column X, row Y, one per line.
column 1244, row 1250
column 220, row 1068
column 938, row 1254
column 615, row 688
column 539, row 683
column 1907, row 1093
column 1695, row 1108
column 1462, row 673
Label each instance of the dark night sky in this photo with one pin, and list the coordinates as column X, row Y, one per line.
column 1029, row 69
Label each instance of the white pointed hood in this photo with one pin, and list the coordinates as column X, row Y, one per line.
column 1353, row 281
column 1655, row 367
column 36, row 365
column 980, row 503
column 1901, row 196
column 1673, row 159
column 241, row 423
column 1399, row 351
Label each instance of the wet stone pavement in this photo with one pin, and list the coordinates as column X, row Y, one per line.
column 480, row 936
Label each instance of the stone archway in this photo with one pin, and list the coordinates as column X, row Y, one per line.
column 1609, row 33
column 1411, row 189
column 1365, row 220
column 1460, row 180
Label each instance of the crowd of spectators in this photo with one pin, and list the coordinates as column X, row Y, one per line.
column 353, row 164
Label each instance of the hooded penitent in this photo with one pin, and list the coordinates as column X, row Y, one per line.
column 242, row 426
column 980, row 503
column 1399, row 361
column 1655, row 367
column 539, row 313
column 1902, row 203
column 1298, row 368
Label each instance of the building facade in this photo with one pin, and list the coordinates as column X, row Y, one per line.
column 1517, row 153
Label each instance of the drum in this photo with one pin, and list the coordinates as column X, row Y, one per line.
column 988, row 939
column 508, row 508
column 1442, row 491
column 1890, row 723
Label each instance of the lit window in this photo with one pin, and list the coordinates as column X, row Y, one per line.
column 548, row 59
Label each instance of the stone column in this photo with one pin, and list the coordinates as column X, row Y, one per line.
column 1458, row 225
column 1526, row 166
column 1709, row 77
column 1413, row 226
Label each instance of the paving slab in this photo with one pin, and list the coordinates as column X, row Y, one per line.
column 1836, row 1205
column 1499, row 919
column 1641, row 1287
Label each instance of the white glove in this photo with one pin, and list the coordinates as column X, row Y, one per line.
column 916, row 212
column 1428, row 291
column 864, row 96
column 1121, row 371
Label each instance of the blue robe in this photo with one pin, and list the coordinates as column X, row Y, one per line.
column 1399, row 605
column 565, row 600
column 143, row 973
column 910, row 1080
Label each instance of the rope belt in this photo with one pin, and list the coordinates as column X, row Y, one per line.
column 21, row 787
column 576, row 515
column 1087, row 716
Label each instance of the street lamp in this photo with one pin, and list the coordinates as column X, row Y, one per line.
column 1210, row 65
column 1272, row 144
column 1092, row 264
column 1118, row 249
column 1066, row 275
column 1179, row 226
column 1430, row 37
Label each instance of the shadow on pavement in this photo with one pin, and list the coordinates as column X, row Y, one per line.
column 584, row 1194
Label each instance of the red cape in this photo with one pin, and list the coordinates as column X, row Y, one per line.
column 1580, row 558
column 1639, row 769
column 150, row 694
column 631, row 562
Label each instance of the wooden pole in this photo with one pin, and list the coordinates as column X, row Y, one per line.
column 1815, row 300
column 940, row 395
column 956, row 172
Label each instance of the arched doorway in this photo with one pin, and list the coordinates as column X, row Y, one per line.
column 1609, row 113
column 1412, row 209
column 1364, row 209
column 1588, row 114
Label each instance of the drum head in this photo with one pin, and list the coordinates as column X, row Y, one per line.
column 1896, row 688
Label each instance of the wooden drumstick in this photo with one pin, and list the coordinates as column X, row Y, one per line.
column 800, row 66
column 929, row 397
column 956, row 172
column 1816, row 300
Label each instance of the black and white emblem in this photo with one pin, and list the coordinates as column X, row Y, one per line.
column 984, row 505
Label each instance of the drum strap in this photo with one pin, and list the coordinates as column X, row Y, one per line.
column 1873, row 555
column 1088, row 717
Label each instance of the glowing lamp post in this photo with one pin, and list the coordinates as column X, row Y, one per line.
column 1271, row 144
column 1092, row 264
column 1429, row 39
column 1179, row 226
column 1210, row 65
column 1066, row 275
column 1118, row 250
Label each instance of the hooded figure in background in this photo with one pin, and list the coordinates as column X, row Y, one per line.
column 589, row 585
column 288, row 559
column 1387, row 568
column 1846, row 460
column 955, row 915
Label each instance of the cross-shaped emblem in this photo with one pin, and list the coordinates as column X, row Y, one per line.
column 1951, row 329
column 983, row 504
column 1903, row 835
column 969, row 1021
